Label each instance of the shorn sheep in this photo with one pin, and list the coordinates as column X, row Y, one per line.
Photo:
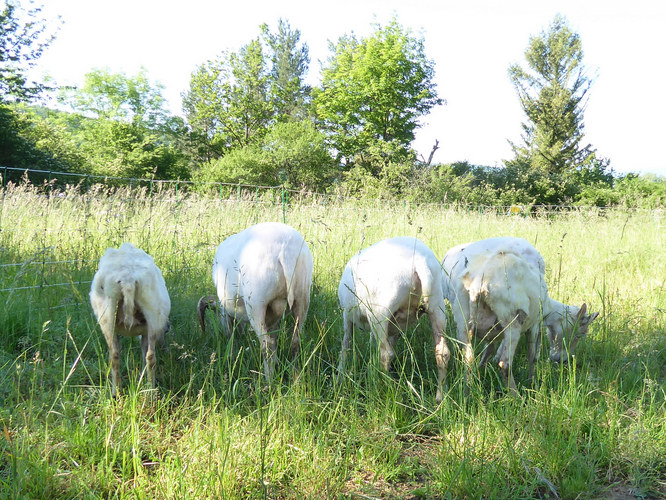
column 260, row 274
column 384, row 287
column 129, row 297
column 497, row 291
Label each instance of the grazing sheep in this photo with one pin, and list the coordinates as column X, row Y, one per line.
column 497, row 291
column 384, row 287
column 129, row 297
column 260, row 274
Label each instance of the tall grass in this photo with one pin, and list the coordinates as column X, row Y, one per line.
column 215, row 429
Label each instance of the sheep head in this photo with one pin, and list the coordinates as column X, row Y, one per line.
column 565, row 329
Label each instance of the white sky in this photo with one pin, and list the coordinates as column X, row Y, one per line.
column 472, row 43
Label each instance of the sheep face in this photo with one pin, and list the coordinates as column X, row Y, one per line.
column 565, row 331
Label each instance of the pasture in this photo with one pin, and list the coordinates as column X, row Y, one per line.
column 214, row 428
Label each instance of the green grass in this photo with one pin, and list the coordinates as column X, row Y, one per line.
column 214, row 429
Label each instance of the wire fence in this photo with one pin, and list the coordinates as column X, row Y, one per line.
column 55, row 181
column 54, row 226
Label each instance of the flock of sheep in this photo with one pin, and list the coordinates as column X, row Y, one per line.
column 496, row 288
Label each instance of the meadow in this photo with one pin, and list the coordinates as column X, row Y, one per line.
column 214, row 428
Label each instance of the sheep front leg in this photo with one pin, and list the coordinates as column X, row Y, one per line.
column 533, row 347
column 465, row 332
column 386, row 352
column 442, row 353
column 510, row 342
column 268, row 351
column 107, row 322
column 488, row 352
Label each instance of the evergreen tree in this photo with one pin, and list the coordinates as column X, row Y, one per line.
column 552, row 93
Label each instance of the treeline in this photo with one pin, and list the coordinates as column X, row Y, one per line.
column 250, row 117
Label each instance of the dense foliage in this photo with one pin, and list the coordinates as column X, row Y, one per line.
column 251, row 118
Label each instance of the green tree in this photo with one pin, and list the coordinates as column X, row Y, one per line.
column 203, row 105
column 23, row 38
column 116, row 96
column 227, row 104
column 552, row 92
column 289, row 65
column 123, row 127
column 375, row 89
column 298, row 156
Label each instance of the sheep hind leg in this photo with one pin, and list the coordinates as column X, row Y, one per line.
column 268, row 341
column 346, row 340
column 148, row 342
column 465, row 334
column 442, row 353
column 299, row 312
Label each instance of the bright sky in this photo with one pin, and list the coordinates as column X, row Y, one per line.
column 471, row 42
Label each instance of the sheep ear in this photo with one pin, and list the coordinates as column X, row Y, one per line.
column 589, row 319
column 581, row 312
column 204, row 303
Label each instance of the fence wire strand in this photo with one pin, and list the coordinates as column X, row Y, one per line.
column 51, row 237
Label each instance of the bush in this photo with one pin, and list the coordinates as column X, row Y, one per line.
column 291, row 155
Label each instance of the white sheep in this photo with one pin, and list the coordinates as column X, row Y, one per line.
column 497, row 290
column 384, row 287
column 129, row 297
column 260, row 274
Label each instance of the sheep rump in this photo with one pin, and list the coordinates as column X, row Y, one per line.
column 260, row 274
column 129, row 297
column 384, row 287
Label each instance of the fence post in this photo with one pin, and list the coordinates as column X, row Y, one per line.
column 284, row 205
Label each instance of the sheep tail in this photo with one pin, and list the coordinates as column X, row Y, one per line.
column 128, row 289
column 428, row 283
column 296, row 280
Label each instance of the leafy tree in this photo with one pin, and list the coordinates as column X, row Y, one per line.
column 234, row 101
column 23, row 39
column 123, row 127
column 289, row 65
column 375, row 89
column 251, row 110
column 228, row 102
column 116, row 96
column 298, row 156
column 552, row 92
column 204, row 109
